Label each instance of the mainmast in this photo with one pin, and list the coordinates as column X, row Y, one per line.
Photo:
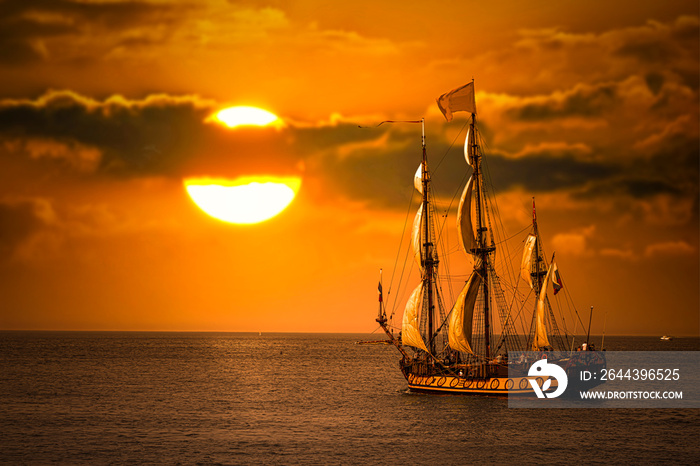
column 481, row 250
column 428, row 262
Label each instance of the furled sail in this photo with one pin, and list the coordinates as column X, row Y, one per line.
column 464, row 219
column 417, row 231
column 541, row 341
column 416, row 236
column 469, row 147
column 410, row 331
column 418, row 179
column 461, row 318
column 526, row 265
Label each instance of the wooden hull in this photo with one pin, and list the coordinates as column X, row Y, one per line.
column 491, row 386
column 497, row 380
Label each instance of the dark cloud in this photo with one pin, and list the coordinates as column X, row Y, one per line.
column 18, row 221
column 110, row 14
column 26, row 28
column 382, row 174
column 672, row 170
column 167, row 135
column 583, row 100
column 19, row 39
column 130, row 134
column 158, row 135
column 15, row 52
column 544, row 174
column 655, row 82
column 649, row 50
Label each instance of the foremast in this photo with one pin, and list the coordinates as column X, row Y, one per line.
column 428, row 262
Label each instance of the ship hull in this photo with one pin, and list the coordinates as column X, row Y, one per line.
column 502, row 381
column 491, row 386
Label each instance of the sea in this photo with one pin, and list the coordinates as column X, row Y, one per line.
column 292, row 398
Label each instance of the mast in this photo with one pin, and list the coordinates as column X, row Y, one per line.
column 481, row 249
column 382, row 314
column 428, row 261
column 538, row 272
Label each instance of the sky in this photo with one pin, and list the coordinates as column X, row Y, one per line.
column 590, row 107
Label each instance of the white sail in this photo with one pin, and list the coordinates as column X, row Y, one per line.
column 418, row 179
column 465, row 229
column 526, row 265
column 469, row 147
column 461, row 318
column 417, row 236
column 540, row 341
column 410, row 331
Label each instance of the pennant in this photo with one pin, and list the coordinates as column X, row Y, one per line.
column 458, row 100
column 556, row 282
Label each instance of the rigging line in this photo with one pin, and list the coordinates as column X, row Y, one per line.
column 501, row 233
column 449, row 206
column 513, row 236
column 451, row 145
column 403, row 270
column 569, row 298
column 398, row 252
column 445, row 256
column 389, row 121
column 522, row 307
column 460, row 184
column 496, row 211
column 409, row 249
column 563, row 319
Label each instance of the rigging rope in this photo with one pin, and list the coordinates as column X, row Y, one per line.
column 396, row 261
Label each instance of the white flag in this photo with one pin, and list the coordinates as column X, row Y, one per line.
column 458, row 100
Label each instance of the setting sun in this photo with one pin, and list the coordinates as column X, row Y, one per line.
column 247, row 116
column 245, row 200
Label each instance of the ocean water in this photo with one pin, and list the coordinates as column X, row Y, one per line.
column 233, row 398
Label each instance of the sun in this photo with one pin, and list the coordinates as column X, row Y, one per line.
column 234, row 117
column 245, row 200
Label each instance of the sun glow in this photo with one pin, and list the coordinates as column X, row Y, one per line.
column 247, row 116
column 245, row 200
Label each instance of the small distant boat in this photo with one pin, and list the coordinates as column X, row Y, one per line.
column 666, row 338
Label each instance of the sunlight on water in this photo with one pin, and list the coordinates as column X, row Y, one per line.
column 286, row 398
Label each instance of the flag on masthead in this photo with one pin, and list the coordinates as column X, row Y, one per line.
column 458, row 100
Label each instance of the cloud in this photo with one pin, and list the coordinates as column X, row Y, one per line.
column 75, row 155
column 583, row 100
column 43, row 29
column 574, row 243
column 20, row 219
column 114, row 136
column 670, row 248
column 68, row 31
column 624, row 254
column 663, row 51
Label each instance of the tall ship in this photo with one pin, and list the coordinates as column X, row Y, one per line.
column 465, row 347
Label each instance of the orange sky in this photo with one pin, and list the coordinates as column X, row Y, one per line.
column 592, row 107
